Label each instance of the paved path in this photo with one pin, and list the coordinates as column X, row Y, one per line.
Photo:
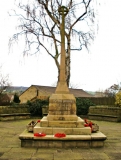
column 10, row 148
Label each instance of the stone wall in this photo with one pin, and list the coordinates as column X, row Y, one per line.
column 13, row 113
column 11, row 109
column 108, row 113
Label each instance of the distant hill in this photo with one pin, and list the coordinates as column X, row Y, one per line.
column 91, row 92
column 13, row 89
column 97, row 94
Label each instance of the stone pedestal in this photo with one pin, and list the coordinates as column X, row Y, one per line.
column 62, row 117
column 62, row 107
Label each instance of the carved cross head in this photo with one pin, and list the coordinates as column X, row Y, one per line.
column 63, row 11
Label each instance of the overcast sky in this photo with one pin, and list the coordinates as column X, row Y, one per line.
column 92, row 71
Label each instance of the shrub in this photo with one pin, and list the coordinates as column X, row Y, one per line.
column 35, row 107
column 16, row 98
column 118, row 99
column 83, row 105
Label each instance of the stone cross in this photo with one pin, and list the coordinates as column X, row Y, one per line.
column 62, row 85
column 63, row 12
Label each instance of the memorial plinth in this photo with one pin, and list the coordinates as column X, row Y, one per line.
column 62, row 116
column 62, row 105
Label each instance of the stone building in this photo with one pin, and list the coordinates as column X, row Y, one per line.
column 43, row 92
column 6, row 99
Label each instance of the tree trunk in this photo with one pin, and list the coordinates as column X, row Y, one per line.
column 68, row 60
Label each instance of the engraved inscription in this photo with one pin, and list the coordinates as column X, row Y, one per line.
column 62, row 101
column 62, row 107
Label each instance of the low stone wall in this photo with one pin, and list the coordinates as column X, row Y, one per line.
column 107, row 113
column 13, row 113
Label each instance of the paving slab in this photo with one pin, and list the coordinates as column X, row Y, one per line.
column 10, row 146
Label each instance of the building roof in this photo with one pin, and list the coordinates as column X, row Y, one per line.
column 50, row 90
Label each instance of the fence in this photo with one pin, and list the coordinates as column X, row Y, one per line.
column 101, row 100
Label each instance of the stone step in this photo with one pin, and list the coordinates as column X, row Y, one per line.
column 62, row 123
column 49, row 141
column 67, row 131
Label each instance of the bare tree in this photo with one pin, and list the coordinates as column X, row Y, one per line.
column 4, row 81
column 112, row 90
column 40, row 24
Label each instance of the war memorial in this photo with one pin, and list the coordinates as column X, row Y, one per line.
column 62, row 128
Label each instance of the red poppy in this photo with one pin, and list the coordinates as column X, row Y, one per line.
column 38, row 120
column 60, row 135
column 90, row 124
column 86, row 125
column 86, row 121
column 39, row 134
